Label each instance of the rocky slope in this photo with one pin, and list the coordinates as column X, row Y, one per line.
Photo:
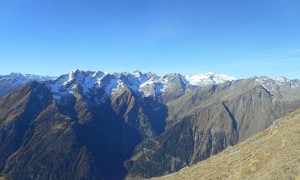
column 271, row 154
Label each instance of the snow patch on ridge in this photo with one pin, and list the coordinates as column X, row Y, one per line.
column 208, row 79
column 281, row 79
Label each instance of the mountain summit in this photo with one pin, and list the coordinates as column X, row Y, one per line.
column 208, row 79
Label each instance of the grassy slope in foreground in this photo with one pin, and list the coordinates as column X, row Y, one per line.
column 271, row 154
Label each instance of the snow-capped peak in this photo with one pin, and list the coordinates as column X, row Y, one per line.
column 137, row 73
column 281, row 79
column 208, row 79
column 85, row 79
column 91, row 83
column 277, row 85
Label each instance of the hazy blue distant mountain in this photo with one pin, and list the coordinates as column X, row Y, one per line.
column 13, row 81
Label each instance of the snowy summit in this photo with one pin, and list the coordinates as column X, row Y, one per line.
column 208, row 79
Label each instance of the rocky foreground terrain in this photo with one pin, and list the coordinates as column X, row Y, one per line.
column 271, row 154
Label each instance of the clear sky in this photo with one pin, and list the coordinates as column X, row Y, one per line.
column 241, row 38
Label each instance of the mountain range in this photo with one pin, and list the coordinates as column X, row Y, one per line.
column 13, row 81
column 96, row 125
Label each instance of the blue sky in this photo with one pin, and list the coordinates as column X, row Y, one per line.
column 242, row 38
